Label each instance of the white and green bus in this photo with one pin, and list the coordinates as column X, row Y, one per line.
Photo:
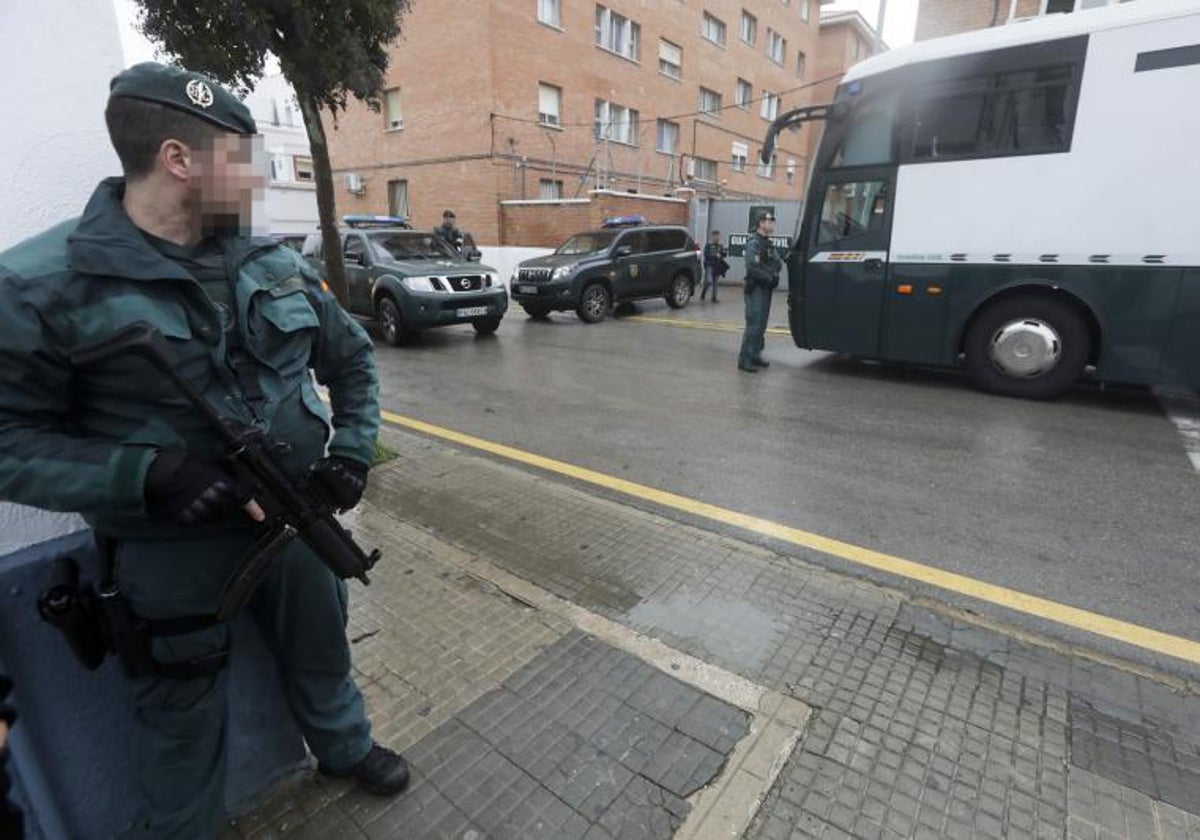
column 1023, row 202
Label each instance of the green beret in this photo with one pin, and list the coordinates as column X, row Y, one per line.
column 184, row 91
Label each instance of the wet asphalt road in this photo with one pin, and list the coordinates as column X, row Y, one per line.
column 1089, row 500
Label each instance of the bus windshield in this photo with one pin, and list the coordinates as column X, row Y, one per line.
column 867, row 138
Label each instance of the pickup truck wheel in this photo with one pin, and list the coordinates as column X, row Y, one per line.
column 485, row 326
column 390, row 322
column 680, row 293
column 594, row 303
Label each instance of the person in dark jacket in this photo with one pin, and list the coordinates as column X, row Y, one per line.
column 249, row 325
column 714, row 259
column 448, row 233
column 763, row 265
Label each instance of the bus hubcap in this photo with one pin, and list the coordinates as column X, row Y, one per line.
column 1025, row 348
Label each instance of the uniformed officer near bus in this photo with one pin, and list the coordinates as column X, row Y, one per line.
column 248, row 323
column 763, row 265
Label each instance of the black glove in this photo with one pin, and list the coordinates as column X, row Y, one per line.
column 192, row 490
column 339, row 482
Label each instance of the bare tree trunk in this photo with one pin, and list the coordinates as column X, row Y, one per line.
column 331, row 243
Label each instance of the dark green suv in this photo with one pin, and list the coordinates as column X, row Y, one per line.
column 409, row 280
column 592, row 271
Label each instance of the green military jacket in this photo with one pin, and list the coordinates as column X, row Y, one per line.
column 82, row 439
column 763, row 263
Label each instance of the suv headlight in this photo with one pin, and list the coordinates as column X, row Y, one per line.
column 562, row 271
column 493, row 281
column 418, row 284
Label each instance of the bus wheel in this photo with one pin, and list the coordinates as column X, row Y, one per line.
column 1029, row 346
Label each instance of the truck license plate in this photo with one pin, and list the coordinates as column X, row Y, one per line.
column 472, row 312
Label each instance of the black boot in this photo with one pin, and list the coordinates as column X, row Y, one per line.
column 382, row 773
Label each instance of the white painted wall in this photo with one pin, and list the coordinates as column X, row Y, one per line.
column 290, row 206
column 56, row 57
column 505, row 259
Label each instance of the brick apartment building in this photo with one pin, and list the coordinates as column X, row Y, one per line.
column 936, row 18
column 548, row 99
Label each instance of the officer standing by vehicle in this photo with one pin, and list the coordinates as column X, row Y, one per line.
column 248, row 323
column 763, row 265
column 448, row 233
column 714, row 259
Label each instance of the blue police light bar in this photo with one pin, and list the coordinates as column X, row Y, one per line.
column 625, row 221
column 367, row 219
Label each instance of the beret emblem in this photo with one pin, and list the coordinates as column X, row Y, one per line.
column 199, row 93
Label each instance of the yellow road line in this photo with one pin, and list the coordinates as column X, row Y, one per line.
column 717, row 326
column 1101, row 625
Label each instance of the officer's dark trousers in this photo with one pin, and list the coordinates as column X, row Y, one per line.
column 181, row 725
column 758, row 310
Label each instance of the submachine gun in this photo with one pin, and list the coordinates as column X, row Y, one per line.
column 291, row 512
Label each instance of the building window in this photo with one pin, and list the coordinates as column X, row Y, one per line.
column 739, row 156
column 303, row 167
column 616, row 122
column 550, row 13
column 550, row 189
column 704, row 169
column 398, row 198
column 800, row 64
column 744, row 94
column 392, row 109
column 790, row 171
column 776, row 46
column 710, row 102
column 713, row 29
column 618, row 34
column 766, row 170
column 668, row 137
column 769, row 109
column 280, row 169
column 670, row 59
column 857, row 49
column 749, row 31
column 804, row 10
column 549, row 104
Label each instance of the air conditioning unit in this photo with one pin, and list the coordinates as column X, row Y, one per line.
column 354, row 183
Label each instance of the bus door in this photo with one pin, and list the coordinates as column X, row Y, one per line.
column 845, row 279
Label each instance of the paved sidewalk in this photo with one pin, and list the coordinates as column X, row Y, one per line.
column 508, row 647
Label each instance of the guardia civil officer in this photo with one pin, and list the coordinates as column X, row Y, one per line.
column 763, row 265
column 247, row 322
column 448, row 232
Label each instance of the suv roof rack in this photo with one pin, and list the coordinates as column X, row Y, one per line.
column 632, row 220
column 364, row 220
